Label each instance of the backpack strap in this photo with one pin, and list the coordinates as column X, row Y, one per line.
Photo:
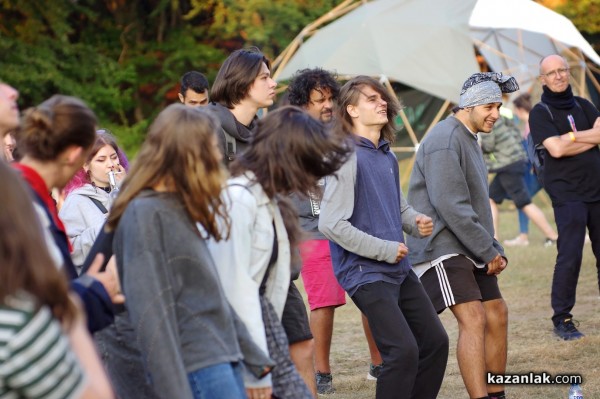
column 230, row 146
column 577, row 104
column 99, row 205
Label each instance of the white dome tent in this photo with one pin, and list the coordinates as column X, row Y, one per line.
column 432, row 45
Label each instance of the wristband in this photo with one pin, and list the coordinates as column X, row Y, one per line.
column 572, row 136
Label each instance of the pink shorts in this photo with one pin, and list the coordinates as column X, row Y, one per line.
column 322, row 288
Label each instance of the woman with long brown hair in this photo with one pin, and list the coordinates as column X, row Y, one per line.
column 177, row 317
column 45, row 350
column 288, row 153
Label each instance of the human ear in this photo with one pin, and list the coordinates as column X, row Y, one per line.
column 351, row 110
column 73, row 154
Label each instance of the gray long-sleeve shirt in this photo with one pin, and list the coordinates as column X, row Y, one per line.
column 449, row 183
column 178, row 313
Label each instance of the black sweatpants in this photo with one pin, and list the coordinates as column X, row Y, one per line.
column 409, row 335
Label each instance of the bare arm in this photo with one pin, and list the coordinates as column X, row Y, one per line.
column 564, row 146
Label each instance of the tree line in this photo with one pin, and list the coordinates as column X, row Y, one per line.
column 124, row 58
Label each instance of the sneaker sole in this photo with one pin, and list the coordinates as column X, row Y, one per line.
column 370, row 377
column 575, row 338
column 327, row 392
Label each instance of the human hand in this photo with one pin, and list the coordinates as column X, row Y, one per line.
column 496, row 265
column 259, row 393
column 402, row 252
column 425, row 225
column 109, row 277
column 120, row 174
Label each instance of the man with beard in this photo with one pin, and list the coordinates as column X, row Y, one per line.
column 459, row 262
column 316, row 91
column 194, row 89
column 569, row 129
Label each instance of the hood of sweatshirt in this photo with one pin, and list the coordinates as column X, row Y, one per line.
column 228, row 122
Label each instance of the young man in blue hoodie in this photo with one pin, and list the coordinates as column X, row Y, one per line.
column 364, row 214
column 458, row 264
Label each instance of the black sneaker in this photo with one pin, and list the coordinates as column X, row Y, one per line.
column 374, row 371
column 567, row 330
column 324, row 383
column 549, row 242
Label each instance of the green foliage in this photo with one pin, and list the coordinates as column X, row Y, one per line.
column 585, row 14
column 125, row 58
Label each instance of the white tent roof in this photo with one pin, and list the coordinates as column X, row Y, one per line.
column 428, row 44
column 515, row 36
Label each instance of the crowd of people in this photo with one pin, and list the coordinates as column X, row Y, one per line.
column 176, row 277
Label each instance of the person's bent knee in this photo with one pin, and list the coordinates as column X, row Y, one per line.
column 302, row 351
column 402, row 355
column 496, row 311
column 470, row 315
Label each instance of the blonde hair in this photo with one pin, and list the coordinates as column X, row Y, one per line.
column 180, row 150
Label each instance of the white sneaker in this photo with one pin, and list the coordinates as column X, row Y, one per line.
column 516, row 242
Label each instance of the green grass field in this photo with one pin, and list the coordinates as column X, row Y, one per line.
column 532, row 346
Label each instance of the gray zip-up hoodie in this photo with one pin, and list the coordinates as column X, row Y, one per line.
column 449, row 183
column 83, row 219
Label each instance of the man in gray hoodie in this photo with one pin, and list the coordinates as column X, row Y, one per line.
column 459, row 262
column 243, row 85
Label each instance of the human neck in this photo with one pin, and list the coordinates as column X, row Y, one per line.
column 48, row 171
column 463, row 116
column 371, row 133
column 244, row 113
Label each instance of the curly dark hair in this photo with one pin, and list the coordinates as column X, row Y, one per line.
column 307, row 80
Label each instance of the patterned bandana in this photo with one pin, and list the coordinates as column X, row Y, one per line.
column 486, row 88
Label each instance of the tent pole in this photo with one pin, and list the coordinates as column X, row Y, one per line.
column 405, row 176
column 282, row 59
column 409, row 129
column 438, row 116
column 593, row 79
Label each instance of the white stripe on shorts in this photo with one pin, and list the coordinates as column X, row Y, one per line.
column 445, row 287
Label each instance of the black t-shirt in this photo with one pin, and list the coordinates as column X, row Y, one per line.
column 572, row 178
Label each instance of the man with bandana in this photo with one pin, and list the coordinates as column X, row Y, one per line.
column 569, row 129
column 459, row 262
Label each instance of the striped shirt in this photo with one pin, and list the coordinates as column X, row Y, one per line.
column 36, row 360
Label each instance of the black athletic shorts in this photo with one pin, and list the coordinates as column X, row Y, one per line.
column 510, row 184
column 456, row 280
column 295, row 318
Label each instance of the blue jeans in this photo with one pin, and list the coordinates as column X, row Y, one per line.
column 223, row 381
column 533, row 186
